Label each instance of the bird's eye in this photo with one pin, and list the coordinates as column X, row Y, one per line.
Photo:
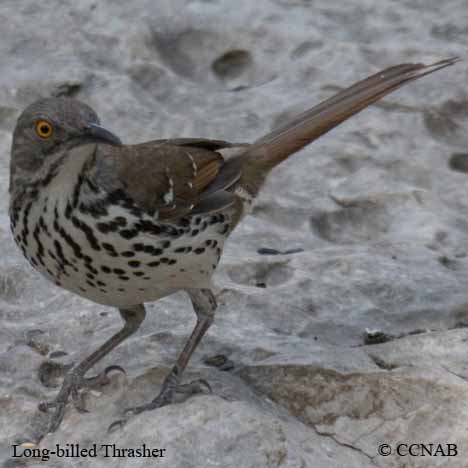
column 44, row 129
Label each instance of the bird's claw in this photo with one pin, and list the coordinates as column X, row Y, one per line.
column 167, row 393
column 103, row 378
column 72, row 387
column 165, row 397
column 115, row 367
column 119, row 424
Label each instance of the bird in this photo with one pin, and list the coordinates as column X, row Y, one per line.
column 123, row 225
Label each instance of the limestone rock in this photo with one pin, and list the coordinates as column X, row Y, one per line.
column 343, row 298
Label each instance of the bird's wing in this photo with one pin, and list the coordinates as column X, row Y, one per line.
column 169, row 178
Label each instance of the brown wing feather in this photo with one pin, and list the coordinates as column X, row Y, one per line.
column 167, row 177
column 206, row 174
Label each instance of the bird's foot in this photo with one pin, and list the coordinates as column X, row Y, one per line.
column 97, row 381
column 72, row 387
column 170, row 387
column 167, row 393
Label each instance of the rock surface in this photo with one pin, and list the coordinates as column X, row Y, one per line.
column 356, row 337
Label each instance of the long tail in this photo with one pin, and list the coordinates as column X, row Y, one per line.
column 275, row 147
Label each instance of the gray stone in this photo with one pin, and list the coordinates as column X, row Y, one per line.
column 354, row 333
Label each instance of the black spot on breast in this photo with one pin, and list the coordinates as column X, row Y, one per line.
column 14, row 216
column 105, row 269
column 40, row 247
column 90, row 268
column 152, row 250
column 134, row 263
column 119, row 197
column 71, row 242
column 42, row 225
column 120, row 220
column 199, row 251
column 88, row 232
column 96, row 208
column 149, row 227
column 105, row 228
column 129, row 233
column 183, row 249
column 110, row 249
column 149, row 249
column 128, row 253
column 153, row 264
column 61, row 257
column 139, row 273
column 119, row 271
column 25, row 230
column 194, row 232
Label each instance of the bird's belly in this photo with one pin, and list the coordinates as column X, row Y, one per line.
column 124, row 281
column 119, row 260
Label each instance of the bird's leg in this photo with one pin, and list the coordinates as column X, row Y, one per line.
column 204, row 304
column 74, row 379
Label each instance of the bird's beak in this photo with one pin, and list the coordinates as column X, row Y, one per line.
column 101, row 135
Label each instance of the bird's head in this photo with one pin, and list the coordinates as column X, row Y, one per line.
column 51, row 125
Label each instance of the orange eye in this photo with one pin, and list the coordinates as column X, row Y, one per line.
column 44, row 129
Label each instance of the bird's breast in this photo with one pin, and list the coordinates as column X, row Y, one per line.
column 113, row 254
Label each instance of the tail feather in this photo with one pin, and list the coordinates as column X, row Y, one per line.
column 275, row 147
